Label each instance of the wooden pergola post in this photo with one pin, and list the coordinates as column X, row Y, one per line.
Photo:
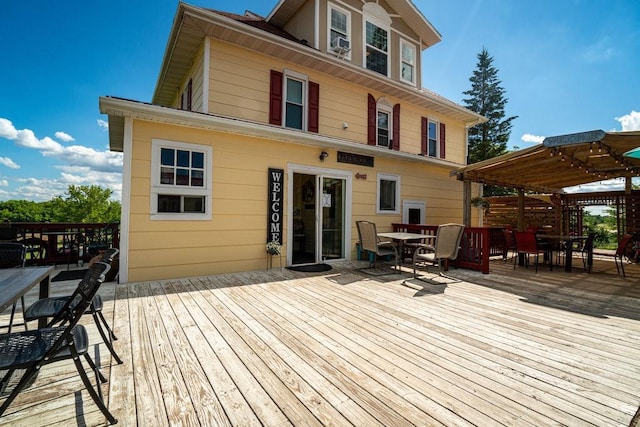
column 466, row 203
column 520, row 209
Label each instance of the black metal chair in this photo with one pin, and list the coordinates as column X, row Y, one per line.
column 52, row 307
column 13, row 255
column 26, row 352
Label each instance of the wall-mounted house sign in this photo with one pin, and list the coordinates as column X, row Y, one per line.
column 275, row 197
column 355, row 159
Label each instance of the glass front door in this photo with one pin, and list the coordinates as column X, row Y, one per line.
column 333, row 221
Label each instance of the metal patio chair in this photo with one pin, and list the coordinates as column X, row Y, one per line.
column 26, row 352
column 445, row 249
column 52, row 307
column 369, row 241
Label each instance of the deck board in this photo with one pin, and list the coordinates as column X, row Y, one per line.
column 343, row 347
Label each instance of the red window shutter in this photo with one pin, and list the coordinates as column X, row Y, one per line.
column 442, row 140
column 372, row 121
column 424, row 136
column 396, row 127
column 275, row 98
column 189, row 94
column 314, row 107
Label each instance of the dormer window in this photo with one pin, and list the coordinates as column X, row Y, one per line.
column 339, row 31
column 377, row 48
column 407, row 62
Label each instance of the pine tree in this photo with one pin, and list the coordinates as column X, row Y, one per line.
column 487, row 97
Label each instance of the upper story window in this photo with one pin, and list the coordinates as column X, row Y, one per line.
column 295, row 104
column 377, row 48
column 432, row 139
column 294, row 101
column 407, row 62
column 180, row 180
column 384, row 127
column 339, row 31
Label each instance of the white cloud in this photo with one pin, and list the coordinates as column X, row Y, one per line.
column 5, row 161
column 7, row 130
column 630, row 121
column 600, row 51
column 529, row 138
column 4, row 183
column 103, row 124
column 65, row 137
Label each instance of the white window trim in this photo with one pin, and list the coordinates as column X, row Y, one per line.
column 437, row 155
column 290, row 74
column 384, row 105
column 157, row 188
column 387, row 28
column 414, row 204
column 415, row 68
column 347, row 54
column 388, row 177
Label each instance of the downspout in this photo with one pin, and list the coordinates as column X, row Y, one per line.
column 316, row 30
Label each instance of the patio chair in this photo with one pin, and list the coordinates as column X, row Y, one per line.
column 587, row 252
column 26, row 352
column 13, row 255
column 369, row 241
column 527, row 244
column 509, row 244
column 53, row 307
column 621, row 252
column 446, row 248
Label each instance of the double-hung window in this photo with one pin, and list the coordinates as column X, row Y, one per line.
column 339, row 31
column 294, row 102
column 432, row 139
column 181, row 180
column 407, row 62
column 384, row 126
column 388, row 193
column 377, row 48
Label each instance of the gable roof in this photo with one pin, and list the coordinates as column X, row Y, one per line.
column 286, row 9
column 192, row 24
column 560, row 162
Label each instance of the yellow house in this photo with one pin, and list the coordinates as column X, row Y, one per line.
column 289, row 127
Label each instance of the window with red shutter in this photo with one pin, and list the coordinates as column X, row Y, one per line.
column 314, row 107
column 396, row 127
column 372, row 120
column 442, row 141
column 424, row 136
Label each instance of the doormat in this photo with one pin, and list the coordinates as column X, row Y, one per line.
column 70, row 275
column 311, row 268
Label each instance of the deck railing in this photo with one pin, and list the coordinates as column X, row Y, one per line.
column 62, row 242
column 478, row 244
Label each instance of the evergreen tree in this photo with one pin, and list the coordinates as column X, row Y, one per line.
column 487, row 97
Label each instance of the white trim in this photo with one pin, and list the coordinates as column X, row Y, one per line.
column 125, row 205
column 404, row 42
column 388, row 177
column 316, row 31
column 294, row 75
column 414, row 204
column 157, row 188
column 346, row 55
column 379, row 24
column 330, row 173
column 437, row 154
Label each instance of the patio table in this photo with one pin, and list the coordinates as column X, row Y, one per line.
column 402, row 237
column 568, row 241
column 15, row 282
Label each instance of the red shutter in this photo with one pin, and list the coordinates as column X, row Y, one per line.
column 275, row 98
column 396, row 127
column 372, row 121
column 314, row 107
column 424, row 136
column 189, row 94
column 442, row 140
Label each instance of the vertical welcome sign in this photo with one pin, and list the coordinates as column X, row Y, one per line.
column 275, row 197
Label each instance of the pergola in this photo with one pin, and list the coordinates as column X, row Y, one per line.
column 559, row 162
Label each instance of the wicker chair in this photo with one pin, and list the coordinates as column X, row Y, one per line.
column 369, row 241
column 26, row 352
column 52, row 307
column 446, row 248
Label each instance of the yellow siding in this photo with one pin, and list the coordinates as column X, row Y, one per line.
column 239, row 87
column 233, row 239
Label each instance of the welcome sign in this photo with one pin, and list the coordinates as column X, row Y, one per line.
column 275, row 197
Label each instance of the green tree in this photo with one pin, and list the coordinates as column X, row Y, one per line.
column 90, row 203
column 487, row 97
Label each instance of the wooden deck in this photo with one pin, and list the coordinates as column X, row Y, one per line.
column 344, row 347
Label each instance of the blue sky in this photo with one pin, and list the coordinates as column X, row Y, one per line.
column 566, row 65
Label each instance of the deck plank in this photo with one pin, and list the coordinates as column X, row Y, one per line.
column 342, row 347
